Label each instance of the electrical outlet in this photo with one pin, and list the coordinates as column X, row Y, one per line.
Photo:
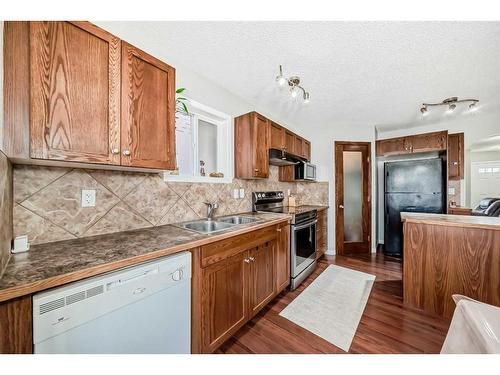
column 242, row 193
column 88, row 198
column 451, row 191
column 236, row 194
column 288, row 192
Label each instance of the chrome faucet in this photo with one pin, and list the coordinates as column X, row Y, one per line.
column 211, row 207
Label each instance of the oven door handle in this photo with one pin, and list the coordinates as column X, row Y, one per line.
column 311, row 223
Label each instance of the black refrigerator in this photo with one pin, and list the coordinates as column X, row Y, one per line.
column 411, row 186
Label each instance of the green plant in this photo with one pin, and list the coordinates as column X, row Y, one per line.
column 180, row 101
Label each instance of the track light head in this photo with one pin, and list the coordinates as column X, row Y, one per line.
column 306, row 98
column 424, row 110
column 452, row 107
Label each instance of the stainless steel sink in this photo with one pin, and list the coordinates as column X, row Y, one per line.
column 205, row 226
column 237, row 219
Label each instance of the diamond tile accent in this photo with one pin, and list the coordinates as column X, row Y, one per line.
column 38, row 229
column 120, row 183
column 120, row 218
column 152, row 198
column 49, row 200
column 179, row 212
column 60, row 202
column 28, row 180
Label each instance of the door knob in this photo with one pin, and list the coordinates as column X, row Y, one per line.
column 341, row 206
column 126, row 153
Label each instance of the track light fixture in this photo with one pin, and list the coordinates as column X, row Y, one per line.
column 451, row 103
column 294, row 84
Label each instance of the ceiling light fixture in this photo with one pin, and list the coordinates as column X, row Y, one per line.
column 451, row 103
column 295, row 87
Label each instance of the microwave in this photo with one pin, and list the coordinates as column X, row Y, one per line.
column 305, row 171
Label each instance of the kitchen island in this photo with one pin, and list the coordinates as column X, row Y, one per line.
column 450, row 254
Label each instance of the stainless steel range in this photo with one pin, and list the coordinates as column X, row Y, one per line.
column 302, row 232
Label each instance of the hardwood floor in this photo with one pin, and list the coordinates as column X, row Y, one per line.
column 387, row 325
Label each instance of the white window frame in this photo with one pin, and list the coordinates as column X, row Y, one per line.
column 224, row 145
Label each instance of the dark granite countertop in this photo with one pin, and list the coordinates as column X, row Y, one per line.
column 52, row 264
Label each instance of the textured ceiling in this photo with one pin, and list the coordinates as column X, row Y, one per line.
column 362, row 73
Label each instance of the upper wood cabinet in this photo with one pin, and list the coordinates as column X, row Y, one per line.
column 93, row 99
column 276, row 135
column 75, row 93
column 254, row 135
column 436, row 141
column 456, row 156
column 251, row 146
column 148, row 110
column 289, row 142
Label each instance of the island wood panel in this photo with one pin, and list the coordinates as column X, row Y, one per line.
column 75, row 93
column 464, row 211
column 16, row 83
column 148, row 110
column 16, row 332
column 443, row 260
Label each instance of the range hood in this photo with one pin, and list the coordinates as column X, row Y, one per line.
column 280, row 158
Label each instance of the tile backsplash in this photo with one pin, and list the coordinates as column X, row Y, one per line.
column 5, row 210
column 48, row 200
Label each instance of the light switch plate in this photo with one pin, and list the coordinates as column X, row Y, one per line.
column 88, row 198
column 242, row 193
column 236, row 194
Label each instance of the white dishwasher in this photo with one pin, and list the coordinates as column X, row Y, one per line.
column 141, row 309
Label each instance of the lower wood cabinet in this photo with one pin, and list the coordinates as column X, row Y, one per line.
column 16, row 332
column 233, row 280
column 322, row 233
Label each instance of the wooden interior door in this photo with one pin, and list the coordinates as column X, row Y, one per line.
column 261, row 285
column 261, row 157
column 352, row 197
column 148, row 110
column 224, row 301
column 75, row 93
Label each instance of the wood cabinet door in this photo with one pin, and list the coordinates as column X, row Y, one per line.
column 74, row 93
column 427, row 142
column 297, row 148
column 456, row 156
column 289, row 142
column 393, row 146
column 262, row 280
column 282, row 258
column 306, row 149
column 276, row 135
column 321, row 233
column 224, row 299
column 261, row 156
column 148, row 110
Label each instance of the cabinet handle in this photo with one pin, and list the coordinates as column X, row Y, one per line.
column 126, row 153
column 247, row 260
column 278, row 230
column 115, row 151
column 455, row 163
column 252, row 259
column 256, row 169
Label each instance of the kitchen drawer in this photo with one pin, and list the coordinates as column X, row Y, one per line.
column 220, row 250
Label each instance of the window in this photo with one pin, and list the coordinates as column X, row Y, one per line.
column 203, row 145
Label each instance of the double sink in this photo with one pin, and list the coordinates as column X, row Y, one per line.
column 207, row 226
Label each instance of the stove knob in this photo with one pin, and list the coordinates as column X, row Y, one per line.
column 259, row 195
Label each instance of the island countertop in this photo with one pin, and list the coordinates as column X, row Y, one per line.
column 484, row 222
column 53, row 264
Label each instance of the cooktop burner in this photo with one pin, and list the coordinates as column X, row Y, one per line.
column 272, row 201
